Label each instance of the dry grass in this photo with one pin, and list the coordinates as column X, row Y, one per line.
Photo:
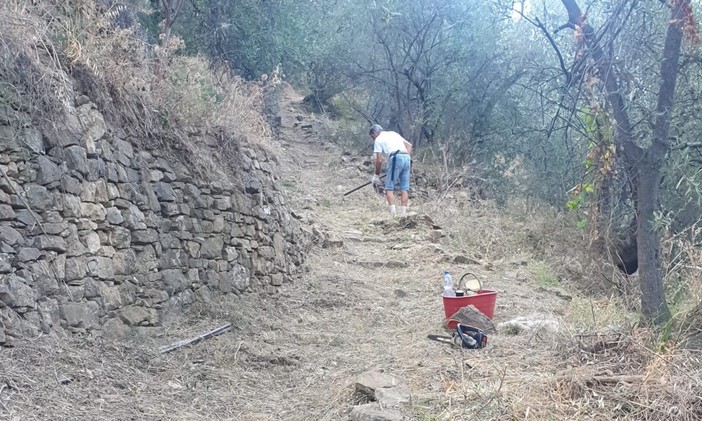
column 53, row 52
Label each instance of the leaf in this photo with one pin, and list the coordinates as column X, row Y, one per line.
column 582, row 224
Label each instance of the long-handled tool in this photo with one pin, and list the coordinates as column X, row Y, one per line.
column 362, row 186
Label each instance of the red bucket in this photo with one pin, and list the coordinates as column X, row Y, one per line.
column 483, row 300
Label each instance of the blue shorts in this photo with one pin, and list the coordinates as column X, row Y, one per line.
column 398, row 173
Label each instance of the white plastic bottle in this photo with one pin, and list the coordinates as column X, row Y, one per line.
column 448, row 285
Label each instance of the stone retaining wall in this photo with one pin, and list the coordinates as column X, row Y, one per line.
column 97, row 235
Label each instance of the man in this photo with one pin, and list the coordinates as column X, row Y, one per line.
column 397, row 151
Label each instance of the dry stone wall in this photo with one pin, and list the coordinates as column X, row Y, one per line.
column 98, row 235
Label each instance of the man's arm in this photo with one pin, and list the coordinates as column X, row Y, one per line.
column 378, row 162
column 408, row 146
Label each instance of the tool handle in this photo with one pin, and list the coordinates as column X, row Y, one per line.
column 361, row 186
column 480, row 284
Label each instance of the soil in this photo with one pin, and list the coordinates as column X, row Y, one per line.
column 369, row 298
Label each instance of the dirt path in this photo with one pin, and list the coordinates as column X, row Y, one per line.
column 372, row 295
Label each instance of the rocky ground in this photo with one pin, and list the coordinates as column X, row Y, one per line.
column 369, row 298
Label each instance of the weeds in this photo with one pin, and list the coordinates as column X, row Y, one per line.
column 543, row 275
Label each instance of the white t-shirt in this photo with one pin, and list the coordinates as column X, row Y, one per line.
column 388, row 142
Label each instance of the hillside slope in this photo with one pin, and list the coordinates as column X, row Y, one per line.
column 368, row 300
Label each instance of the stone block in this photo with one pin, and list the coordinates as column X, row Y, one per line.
column 33, row 139
column 164, row 192
column 147, row 236
column 107, row 251
column 91, row 240
column 211, row 248
column 80, row 314
column 156, row 296
column 114, row 216
column 50, row 243
column 76, row 268
column 111, row 297
column 94, row 211
column 128, row 292
column 133, row 176
column 58, row 266
column 367, row 383
column 168, row 241
column 44, row 278
column 133, row 218
column 70, row 185
column 115, row 330
column 11, row 236
column 9, row 141
column 123, row 262
column 124, row 152
column 39, row 198
column 212, row 278
column 120, row 238
column 184, row 209
column 15, row 293
column 49, row 313
column 230, row 254
column 92, row 123
column 253, row 186
column 193, row 276
column 218, row 224
column 169, row 209
column 112, row 191
column 162, row 165
column 241, row 278
column 374, row 412
column 71, row 206
column 173, row 259
column 101, row 267
column 277, row 279
column 111, row 172
column 174, row 281
column 76, row 159
column 6, row 263
column 155, row 175
column 223, row 203
column 87, row 191
column 47, row 171
column 146, row 260
column 90, row 288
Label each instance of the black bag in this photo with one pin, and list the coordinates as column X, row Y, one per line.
column 470, row 337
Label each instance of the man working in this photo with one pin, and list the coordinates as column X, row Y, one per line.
column 396, row 149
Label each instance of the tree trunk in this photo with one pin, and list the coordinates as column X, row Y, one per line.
column 653, row 304
column 642, row 165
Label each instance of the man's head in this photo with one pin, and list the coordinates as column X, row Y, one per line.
column 375, row 130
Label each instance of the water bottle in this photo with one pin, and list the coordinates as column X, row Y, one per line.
column 448, row 285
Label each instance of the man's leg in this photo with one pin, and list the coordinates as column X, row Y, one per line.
column 390, row 195
column 404, row 198
column 404, row 185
